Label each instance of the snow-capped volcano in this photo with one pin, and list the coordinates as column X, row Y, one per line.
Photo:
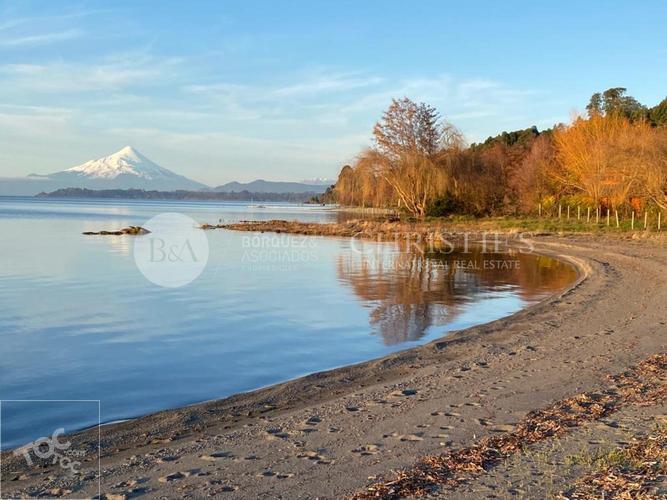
column 125, row 169
column 126, row 161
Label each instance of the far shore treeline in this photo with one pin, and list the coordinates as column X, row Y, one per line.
column 614, row 157
column 140, row 194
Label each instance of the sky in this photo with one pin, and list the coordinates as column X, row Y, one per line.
column 227, row 90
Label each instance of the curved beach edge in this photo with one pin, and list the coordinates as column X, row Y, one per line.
column 412, row 402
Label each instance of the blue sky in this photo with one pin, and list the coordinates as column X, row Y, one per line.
column 226, row 90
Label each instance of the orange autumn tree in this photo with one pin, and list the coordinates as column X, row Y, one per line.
column 610, row 159
column 412, row 153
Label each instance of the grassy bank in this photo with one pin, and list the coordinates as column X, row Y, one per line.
column 549, row 225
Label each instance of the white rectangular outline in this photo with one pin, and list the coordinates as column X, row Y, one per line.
column 99, row 435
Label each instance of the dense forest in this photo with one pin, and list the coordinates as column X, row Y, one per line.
column 613, row 157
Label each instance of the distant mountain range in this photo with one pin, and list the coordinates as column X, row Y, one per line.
column 262, row 186
column 129, row 169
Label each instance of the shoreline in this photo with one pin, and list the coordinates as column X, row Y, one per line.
column 577, row 266
column 231, row 423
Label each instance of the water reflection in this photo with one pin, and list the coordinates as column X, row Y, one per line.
column 77, row 313
column 409, row 290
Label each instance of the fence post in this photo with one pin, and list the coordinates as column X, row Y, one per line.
column 607, row 217
column 588, row 215
column 659, row 214
column 597, row 215
column 645, row 219
column 560, row 209
column 578, row 212
column 539, row 209
column 632, row 224
column 617, row 222
column 568, row 212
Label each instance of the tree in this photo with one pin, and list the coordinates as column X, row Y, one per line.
column 413, row 128
column 412, row 148
column 611, row 159
column 530, row 181
column 344, row 187
column 658, row 114
column 614, row 101
column 594, row 106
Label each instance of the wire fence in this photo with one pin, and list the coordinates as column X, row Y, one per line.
column 648, row 220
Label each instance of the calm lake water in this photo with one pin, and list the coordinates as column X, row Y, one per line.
column 79, row 321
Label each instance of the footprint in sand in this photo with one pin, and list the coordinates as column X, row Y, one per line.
column 315, row 457
column 402, row 393
column 368, row 449
column 227, row 488
column 195, row 472
column 412, row 437
column 131, row 483
column 276, row 432
column 314, row 420
column 483, row 421
column 218, row 455
column 176, row 476
column 277, row 475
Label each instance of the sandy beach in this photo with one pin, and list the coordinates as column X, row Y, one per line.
column 332, row 434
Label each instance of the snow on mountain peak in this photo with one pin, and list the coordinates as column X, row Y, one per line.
column 126, row 161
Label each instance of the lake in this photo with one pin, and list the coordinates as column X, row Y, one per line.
column 79, row 321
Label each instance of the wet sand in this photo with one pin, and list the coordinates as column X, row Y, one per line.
column 331, row 434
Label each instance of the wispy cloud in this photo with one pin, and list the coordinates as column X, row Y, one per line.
column 41, row 38
column 334, row 83
column 109, row 74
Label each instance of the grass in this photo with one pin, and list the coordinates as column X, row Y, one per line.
column 633, row 472
column 603, row 459
column 549, row 224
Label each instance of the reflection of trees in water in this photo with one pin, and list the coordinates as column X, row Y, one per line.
column 409, row 291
